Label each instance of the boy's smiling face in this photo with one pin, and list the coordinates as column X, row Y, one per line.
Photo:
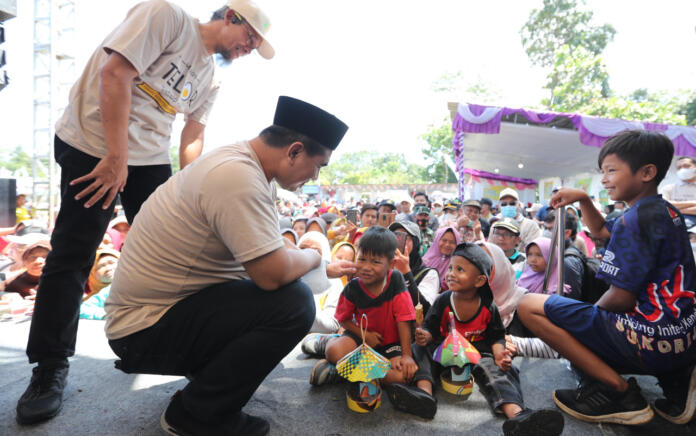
column 372, row 268
column 463, row 275
column 621, row 183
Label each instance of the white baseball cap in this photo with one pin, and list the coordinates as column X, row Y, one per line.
column 509, row 192
column 258, row 20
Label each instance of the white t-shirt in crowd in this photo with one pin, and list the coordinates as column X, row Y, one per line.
column 680, row 192
column 194, row 231
column 175, row 75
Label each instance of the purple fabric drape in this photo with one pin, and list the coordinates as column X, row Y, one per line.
column 493, row 176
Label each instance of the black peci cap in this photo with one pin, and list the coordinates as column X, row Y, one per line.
column 309, row 120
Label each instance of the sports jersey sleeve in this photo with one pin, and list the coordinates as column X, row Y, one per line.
column 403, row 307
column 147, row 31
column 345, row 308
column 434, row 316
column 495, row 331
column 630, row 256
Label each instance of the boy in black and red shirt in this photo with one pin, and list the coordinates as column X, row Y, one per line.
column 477, row 319
column 380, row 293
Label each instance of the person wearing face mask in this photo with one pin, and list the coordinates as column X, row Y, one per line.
column 422, row 215
column 509, row 202
column 437, row 209
column 450, row 214
column 683, row 194
column 422, row 198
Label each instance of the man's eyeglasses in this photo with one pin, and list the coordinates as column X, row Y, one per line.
column 511, row 203
column 253, row 41
column 502, row 234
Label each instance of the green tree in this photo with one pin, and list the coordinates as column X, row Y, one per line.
column 174, row 156
column 17, row 159
column 559, row 23
column 561, row 36
column 371, row 167
column 439, row 150
column 578, row 78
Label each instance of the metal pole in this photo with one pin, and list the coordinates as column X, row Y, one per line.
column 552, row 253
column 560, row 219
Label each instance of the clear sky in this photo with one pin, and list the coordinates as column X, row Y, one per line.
column 373, row 63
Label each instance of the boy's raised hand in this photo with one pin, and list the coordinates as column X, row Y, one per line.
column 566, row 196
column 373, row 339
column 423, row 337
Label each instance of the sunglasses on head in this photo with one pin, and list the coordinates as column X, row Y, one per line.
column 511, row 203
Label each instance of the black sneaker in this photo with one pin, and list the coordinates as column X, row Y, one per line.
column 323, row 373
column 412, row 399
column 595, row 402
column 680, row 403
column 530, row 422
column 176, row 420
column 43, row 399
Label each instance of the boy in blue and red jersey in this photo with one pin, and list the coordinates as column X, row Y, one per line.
column 646, row 322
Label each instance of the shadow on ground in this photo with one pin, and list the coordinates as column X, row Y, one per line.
column 102, row 400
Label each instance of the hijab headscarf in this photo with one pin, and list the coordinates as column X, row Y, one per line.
column 506, row 293
column 93, row 283
column 292, row 232
column 434, row 259
column 323, row 243
column 316, row 279
column 534, row 281
column 344, row 279
column 319, row 221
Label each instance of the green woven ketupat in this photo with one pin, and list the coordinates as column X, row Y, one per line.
column 363, row 363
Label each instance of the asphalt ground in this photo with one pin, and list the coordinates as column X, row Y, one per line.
column 100, row 400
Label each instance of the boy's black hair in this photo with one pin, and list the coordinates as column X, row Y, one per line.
column 427, row 199
column 692, row 159
column 487, row 201
column 378, row 241
column 638, row 148
column 368, row 206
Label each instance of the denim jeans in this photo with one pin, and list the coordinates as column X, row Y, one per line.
column 227, row 338
column 75, row 238
column 497, row 386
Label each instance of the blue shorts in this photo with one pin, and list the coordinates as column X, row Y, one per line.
column 625, row 341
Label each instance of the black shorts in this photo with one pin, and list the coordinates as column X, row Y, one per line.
column 388, row 351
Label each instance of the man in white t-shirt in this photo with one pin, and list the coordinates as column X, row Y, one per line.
column 113, row 139
column 207, row 286
column 683, row 195
column 510, row 207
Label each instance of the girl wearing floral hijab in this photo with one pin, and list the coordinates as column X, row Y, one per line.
column 532, row 277
column 440, row 252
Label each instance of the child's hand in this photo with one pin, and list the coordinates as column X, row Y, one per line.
column 566, row 196
column 510, row 346
column 373, row 339
column 423, row 337
column 408, row 367
column 504, row 360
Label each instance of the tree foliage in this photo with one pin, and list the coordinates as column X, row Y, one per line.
column 578, row 78
column 371, row 167
column 559, row 23
column 439, row 151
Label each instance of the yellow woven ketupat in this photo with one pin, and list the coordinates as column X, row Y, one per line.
column 363, row 363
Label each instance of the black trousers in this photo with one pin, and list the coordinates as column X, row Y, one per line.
column 75, row 238
column 496, row 386
column 227, row 337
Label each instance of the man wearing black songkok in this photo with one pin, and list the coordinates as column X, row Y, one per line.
column 207, row 287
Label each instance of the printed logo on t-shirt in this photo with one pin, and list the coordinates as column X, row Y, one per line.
column 606, row 265
column 675, row 217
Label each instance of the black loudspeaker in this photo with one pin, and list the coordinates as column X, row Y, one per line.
column 8, row 202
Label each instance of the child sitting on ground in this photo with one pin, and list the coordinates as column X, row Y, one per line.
column 380, row 293
column 477, row 318
column 645, row 322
